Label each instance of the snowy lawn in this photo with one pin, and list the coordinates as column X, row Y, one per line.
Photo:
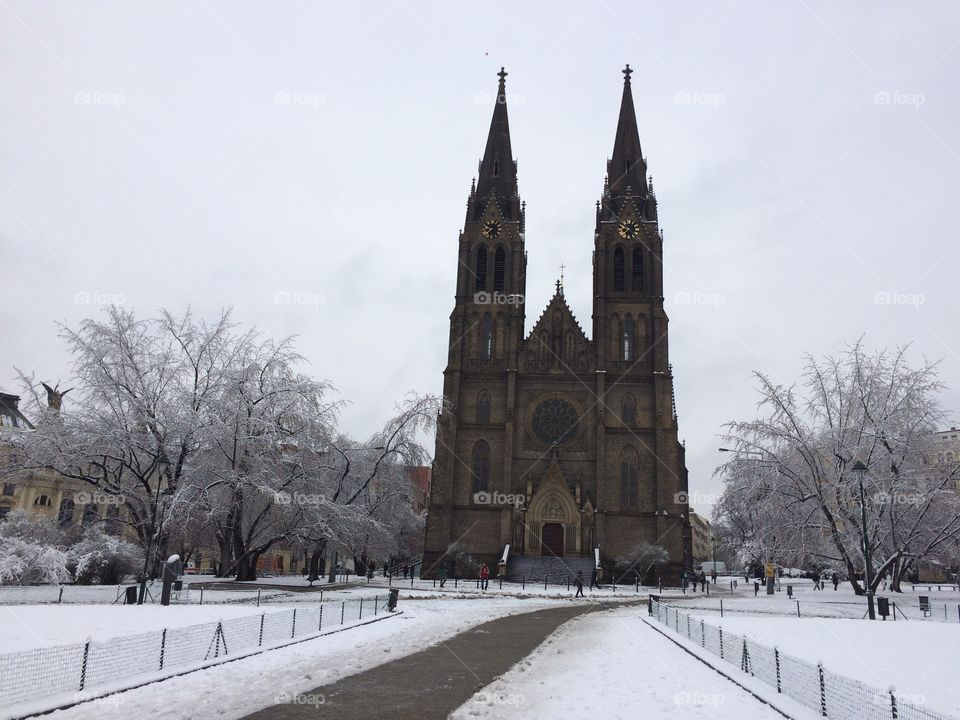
column 921, row 660
column 611, row 665
column 236, row 689
column 34, row 626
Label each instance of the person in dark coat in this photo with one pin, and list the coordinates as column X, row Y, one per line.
column 703, row 580
column 484, row 576
column 595, row 579
column 443, row 575
column 578, row 581
column 836, row 580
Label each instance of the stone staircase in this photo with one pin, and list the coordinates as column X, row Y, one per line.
column 537, row 568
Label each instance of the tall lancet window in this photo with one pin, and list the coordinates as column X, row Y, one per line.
column 629, row 338
column 486, row 336
column 618, row 271
column 637, row 269
column 480, row 269
column 481, row 467
column 499, row 267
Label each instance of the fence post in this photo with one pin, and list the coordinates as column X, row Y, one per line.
column 721, row 607
column 823, row 691
column 201, row 594
column 361, row 609
column 745, row 659
column 776, row 660
column 894, row 711
column 83, row 666
column 293, row 625
column 258, row 597
column 523, row 581
column 721, row 641
column 260, row 639
column 343, row 609
column 688, row 627
column 60, row 598
column 798, row 608
column 703, row 635
column 163, row 646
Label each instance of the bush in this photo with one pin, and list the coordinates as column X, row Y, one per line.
column 102, row 558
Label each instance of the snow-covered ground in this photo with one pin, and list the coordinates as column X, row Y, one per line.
column 236, row 689
column 921, row 660
column 611, row 665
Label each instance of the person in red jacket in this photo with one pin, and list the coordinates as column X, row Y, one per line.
column 484, row 576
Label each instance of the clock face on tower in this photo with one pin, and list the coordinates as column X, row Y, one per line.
column 629, row 229
column 491, row 229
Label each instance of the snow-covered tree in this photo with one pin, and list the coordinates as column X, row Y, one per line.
column 31, row 551
column 792, row 492
column 642, row 559
column 102, row 558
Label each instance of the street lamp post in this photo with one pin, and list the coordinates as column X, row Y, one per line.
column 861, row 469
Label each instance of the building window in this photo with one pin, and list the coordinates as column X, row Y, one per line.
column 481, row 467
column 629, row 338
column 629, row 479
column 499, row 268
column 618, row 269
column 42, row 501
column 480, row 269
column 113, row 520
column 9, row 489
column 65, row 515
column 486, row 336
column 483, row 407
column 628, row 411
column 637, row 269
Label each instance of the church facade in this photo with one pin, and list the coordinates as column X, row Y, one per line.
column 552, row 442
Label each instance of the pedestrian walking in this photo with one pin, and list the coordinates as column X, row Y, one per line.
column 713, row 576
column 484, row 576
column 703, row 580
column 443, row 575
column 578, row 581
column 595, row 579
column 836, row 581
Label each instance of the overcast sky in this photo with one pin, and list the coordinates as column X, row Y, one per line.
column 309, row 165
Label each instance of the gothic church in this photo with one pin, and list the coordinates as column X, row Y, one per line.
column 552, row 443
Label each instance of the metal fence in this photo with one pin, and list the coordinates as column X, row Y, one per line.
column 68, row 673
column 810, row 684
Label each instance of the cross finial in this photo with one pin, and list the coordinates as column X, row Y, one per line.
column 502, row 75
column 560, row 282
column 626, row 73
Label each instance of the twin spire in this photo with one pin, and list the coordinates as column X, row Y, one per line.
column 498, row 171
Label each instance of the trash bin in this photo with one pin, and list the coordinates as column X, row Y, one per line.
column 790, row 591
column 883, row 607
column 131, row 598
column 392, row 602
column 177, row 585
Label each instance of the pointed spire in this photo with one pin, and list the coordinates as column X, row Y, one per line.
column 498, row 172
column 626, row 167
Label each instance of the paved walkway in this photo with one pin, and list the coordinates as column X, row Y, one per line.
column 433, row 682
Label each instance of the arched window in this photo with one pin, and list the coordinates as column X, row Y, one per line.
column 486, row 336
column 483, row 407
column 629, row 338
column 42, row 501
column 481, row 467
column 65, row 514
column 629, row 479
column 499, row 268
column 480, row 269
column 637, row 269
column 91, row 513
column 113, row 520
column 618, row 282
column 628, row 411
